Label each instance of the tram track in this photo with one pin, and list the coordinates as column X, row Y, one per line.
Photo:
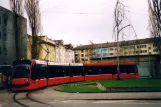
column 26, row 98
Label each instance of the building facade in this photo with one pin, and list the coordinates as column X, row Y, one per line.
column 141, row 51
column 64, row 53
column 69, row 55
column 46, row 49
column 82, row 55
column 7, row 37
column 100, row 53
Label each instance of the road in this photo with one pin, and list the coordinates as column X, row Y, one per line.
column 93, row 103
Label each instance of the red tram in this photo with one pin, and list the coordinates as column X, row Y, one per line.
column 34, row 74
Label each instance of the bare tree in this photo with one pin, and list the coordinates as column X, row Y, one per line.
column 33, row 12
column 91, row 49
column 119, row 26
column 17, row 9
column 155, row 26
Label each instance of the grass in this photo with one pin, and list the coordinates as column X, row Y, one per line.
column 132, row 82
column 123, row 85
column 68, row 88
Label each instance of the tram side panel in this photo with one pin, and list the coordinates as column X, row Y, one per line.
column 77, row 72
column 97, row 72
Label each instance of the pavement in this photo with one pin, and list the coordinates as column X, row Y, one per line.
column 62, row 99
column 92, row 104
column 51, row 94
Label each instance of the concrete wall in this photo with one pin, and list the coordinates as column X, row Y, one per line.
column 7, row 43
column 7, row 39
column 146, row 69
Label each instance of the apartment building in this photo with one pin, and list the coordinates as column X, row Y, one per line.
column 7, row 37
column 83, row 53
column 133, row 48
column 141, row 51
column 107, row 50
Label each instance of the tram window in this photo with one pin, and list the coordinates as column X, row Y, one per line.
column 21, row 71
column 114, row 69
column 76, row 70
column 65, row 71
column 105, row 70
column 91, row 70
column 39, row 71
column 123, row 69
column 58, row 71
column 130, row 69
column 51, row 72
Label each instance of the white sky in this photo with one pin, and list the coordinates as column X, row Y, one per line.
column 78, row 21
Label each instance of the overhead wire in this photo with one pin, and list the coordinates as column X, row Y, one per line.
column 83, row 13
column 56, row 6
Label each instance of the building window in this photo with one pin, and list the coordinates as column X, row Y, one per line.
column 111, row 53
column 82, row 59
column 105, row 55
column 149, row 47
column 111, row 49
column 0, row 34
column 5, row 36
column 82, row 55
column 5, row 22
column 82, row 51
column 155, row 50
column 104, row 49
column 145, row 46
column 0, row 19
column 86, row 59
column 138, row 46
column 4, row 50
column 0, row 50
column 98, row 55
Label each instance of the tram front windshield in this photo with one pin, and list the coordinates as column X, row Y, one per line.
column 21, row 71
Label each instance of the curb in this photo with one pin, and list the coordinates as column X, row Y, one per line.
column 121, row 99
column 107, row 91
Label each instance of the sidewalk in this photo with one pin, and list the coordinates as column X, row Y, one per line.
column 51, row 94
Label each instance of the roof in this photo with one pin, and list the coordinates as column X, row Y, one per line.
column 113, row 44
column 59, row 42
column 68, row 46
column 5, row 9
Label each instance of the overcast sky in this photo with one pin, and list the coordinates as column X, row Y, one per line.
column 78, row 21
